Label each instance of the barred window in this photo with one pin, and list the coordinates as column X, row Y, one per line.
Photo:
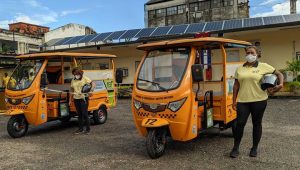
column 172, row 11
column 204, row 5
column 181, row 9
column 151, row 14
column 194, row 7
column 161, row 12
column 227, row 2
column 216, row 3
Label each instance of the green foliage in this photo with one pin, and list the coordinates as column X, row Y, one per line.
column 294, row 66
column 295, row 85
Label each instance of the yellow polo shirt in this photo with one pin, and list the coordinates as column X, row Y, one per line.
column 77, row 86
column 5, row 80
column 249, row 78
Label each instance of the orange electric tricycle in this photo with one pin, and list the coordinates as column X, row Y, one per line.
column 183, row 87
column 39, row 87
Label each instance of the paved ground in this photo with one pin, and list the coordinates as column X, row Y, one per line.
column 117, row 145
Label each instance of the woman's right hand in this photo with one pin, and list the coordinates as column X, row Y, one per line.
column 234, row 106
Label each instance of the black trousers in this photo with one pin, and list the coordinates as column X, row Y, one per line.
column 256, row 109
column 82, row 111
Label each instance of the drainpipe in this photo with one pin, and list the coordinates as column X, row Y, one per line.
column 293, row 6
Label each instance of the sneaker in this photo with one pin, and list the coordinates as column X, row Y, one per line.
column 86, row 132
column 77, row 132
column 253, row 152
column 234, row 153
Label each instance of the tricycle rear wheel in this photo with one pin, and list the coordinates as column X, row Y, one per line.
column 156, row 142
column 17, row 126
column 100, row 116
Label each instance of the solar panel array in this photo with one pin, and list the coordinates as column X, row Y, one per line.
column 215, row 26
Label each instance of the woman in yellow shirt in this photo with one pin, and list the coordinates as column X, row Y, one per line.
column 249, row 98
column 81, row 100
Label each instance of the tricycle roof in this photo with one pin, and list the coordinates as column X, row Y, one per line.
column 190, row 42
column 65, row 54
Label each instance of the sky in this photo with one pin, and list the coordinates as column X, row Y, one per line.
column 103, row 15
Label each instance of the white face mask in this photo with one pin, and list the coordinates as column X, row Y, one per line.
column 251, row 58
column 77, row 77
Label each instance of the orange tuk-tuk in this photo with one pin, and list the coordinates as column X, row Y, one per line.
column 183, row 87
column 38, row 90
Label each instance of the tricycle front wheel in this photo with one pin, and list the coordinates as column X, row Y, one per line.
column 156, row 142
column 17, row 126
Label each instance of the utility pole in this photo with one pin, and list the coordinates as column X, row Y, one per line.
column 293, row 7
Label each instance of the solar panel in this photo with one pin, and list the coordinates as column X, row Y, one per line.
column 253, row 22
column 273, row 20
column 178, row 29
column 61, row 42
column 161, row 31
column 233, row 24
column 214, row 26
column 52, row 42
column 101, row 37
column 130, row 34
column 88, row 38
column 146, row 32
column 116, row 35
column 195, row 28
column 74, row 40
column 292, row 18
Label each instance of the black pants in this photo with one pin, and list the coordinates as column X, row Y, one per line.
column 82, row 111
column 257, row 110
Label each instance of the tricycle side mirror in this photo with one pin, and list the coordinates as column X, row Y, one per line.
column 197, row 72
column 119, row 75
column 44, row 80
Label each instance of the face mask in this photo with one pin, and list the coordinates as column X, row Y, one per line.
column 251, row 58
column 77, row 77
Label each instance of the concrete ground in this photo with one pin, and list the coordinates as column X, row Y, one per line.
column 117, row 145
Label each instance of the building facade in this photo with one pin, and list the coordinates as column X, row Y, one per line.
column 13, row 43
column 174, row 12
column 68, row 30
column 30, row 29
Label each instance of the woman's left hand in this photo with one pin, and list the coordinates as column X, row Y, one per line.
column 275, row 89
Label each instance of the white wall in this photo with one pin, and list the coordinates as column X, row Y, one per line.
column 68, row 30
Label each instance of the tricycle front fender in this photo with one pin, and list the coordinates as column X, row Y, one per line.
column 154, row 122
column 12, row 112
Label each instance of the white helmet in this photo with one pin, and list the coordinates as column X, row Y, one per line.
column 268, row 80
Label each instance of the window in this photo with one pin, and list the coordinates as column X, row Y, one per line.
column 216, row 3
column 151, row 14
column 172, row 11
column 227, row 2
column 181, row 9
column 137, row 63
column 160, row 12
column 204, row 5
column 298, row 56
column 104, row 66
column 194, row 7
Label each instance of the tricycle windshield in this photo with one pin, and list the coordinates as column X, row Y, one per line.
column 163, row 70
column 24, row 74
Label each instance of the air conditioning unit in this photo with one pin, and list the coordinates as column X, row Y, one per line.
column 288, row 76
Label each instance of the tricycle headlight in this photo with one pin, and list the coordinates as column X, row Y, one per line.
column 6, row 99
column 175, row 106
column 27, row 100
column 137, row 104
